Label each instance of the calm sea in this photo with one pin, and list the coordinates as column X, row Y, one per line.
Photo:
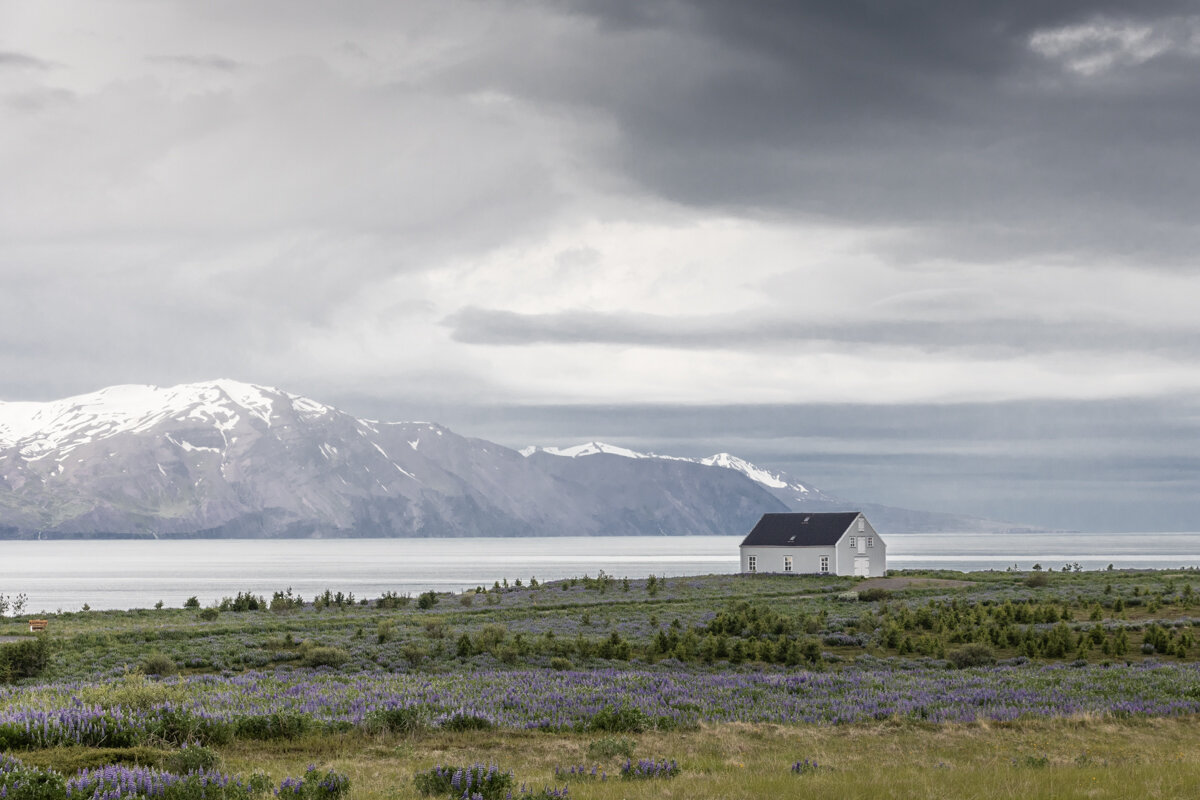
column 135, row 574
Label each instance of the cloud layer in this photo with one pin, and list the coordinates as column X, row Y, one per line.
column 694, row 203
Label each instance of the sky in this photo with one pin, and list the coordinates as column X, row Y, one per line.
column 940, row 255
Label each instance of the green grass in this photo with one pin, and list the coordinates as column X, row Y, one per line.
column 543, row 623
column 1085, row 757
column 1028, row 760
column 547, row 622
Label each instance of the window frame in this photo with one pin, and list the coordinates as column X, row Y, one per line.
column 752, row 563
column 787, row 563
column 824, row 565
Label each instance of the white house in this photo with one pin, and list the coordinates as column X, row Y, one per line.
column 826, row 544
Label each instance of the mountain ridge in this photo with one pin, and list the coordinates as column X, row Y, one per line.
column 229, row 459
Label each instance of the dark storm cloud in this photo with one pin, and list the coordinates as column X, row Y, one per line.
column 985, row 338
column 936, row 116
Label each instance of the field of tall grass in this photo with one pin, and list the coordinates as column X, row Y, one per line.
column 1002, row 684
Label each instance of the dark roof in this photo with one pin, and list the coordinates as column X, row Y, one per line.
column 799, row 530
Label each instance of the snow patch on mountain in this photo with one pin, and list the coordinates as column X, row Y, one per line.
column 586, row 449
column 755, row 473
column 61, row 426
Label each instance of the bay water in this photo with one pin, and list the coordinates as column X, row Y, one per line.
column 124, row 574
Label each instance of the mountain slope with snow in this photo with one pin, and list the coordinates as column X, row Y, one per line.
column 798, row 496
column 230, row 459
column 224, row 458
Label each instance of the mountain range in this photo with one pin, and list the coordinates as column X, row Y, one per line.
column 230, row 459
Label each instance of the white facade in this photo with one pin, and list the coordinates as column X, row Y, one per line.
column 860, row 551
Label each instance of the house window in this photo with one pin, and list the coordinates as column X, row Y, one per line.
column 787, row 563
column 862, row 524
column 870, row 541
column 824, row 565
column 752, row 563
column 851, row 542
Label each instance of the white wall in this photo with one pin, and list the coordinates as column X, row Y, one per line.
column 876, row 554
column 805, row 560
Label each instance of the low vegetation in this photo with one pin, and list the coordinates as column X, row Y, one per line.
column 1070, row 684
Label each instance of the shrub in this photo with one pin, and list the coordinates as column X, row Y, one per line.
column 324, row 656
column 178, row 726
column 130, row 782
column 560, row 663
column 427, row 600
column 1037, row 579
column 276, row 725
column 209, row 614
column 191, row 758
column 406, row 720
column 413, row 653
column 24, row 659
column 619, row 719
column 315, row 785
column 158, row 664
column 245, row 601
column 874, row 594
column 392, row 600
column 477, row 780
column 971, row 655
column 133, row 691
column 490, row 636
column 192, row 602
column 462, row 721
column 610, row 747
column 20, row 782
column 286, row 601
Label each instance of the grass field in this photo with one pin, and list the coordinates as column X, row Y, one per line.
column 1053, row 684
column 1084, row 758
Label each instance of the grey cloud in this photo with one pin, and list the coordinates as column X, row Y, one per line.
column 39, row 99
column 16, row 60
column 213, row 62
column 937, row 116
column 994, row 338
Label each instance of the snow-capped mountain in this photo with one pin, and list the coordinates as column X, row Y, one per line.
column 799, row 496
column 779, row 483
column 224, row 458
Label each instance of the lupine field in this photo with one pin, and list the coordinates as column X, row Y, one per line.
column 1056, row 684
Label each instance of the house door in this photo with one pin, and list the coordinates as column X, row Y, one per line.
column 862, row 567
